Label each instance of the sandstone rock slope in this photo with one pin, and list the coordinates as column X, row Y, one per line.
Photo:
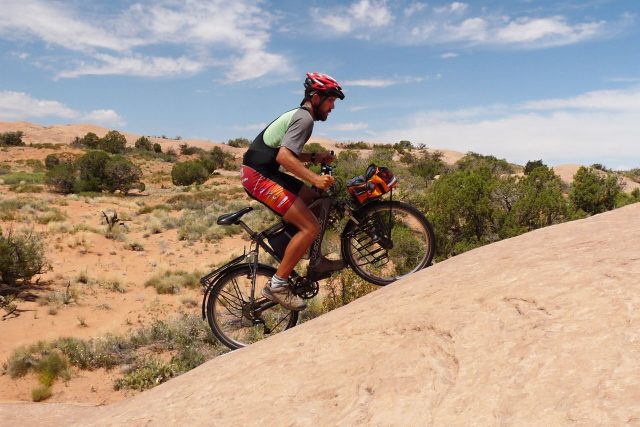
column 542, row 329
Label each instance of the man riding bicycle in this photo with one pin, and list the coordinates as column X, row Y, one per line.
column 281, row 144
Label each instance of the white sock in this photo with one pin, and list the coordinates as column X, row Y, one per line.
column 276, row 282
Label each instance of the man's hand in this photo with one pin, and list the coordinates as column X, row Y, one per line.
column 323, row 181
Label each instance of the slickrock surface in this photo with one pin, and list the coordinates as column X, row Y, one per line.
column 542, row 329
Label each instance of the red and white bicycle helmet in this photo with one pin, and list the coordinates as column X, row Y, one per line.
column 322, row 84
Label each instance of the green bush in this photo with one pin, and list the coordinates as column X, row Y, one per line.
column 51, row 160
column 90, row 140
column 170, row 282
column 531, row 165
column 121, row 175
column 62, row 178
column 476, row 161
column 239, row 142
column 113, row 142
column 92, row 171
column 314, row 147
column 21, row 256
column 592, row 193
column 12, row 138
column 188, row 150
column 402, row 146
column 144, row 143
column 23, row 177
column 428, row 166
column 41, row 393
column 190, row 172
column 157, row 148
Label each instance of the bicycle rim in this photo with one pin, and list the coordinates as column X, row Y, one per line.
column 393, row 239
column 232, row 317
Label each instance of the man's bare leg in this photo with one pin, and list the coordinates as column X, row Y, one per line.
column 302, row 217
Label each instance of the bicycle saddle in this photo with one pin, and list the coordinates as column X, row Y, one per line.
column 232, row 218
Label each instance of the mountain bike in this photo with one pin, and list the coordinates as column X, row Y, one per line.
column 380, row 240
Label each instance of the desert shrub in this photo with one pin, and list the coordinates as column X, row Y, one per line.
column 62, row 178
column 121, row 175
column 462, row 211
column 189, row 172
column 623, row 199
column 531, row 165
column 239, row 142
column 51, row 160
column 50, row 367
column 5, row 169
column 21, row 256
column 26, row 188
column 113, row 142
column 41, row 393
column 402, row 146
column 170, row 282
column 157, row 148
column 537, row 202
column 314, row 147
column 428, row 166
column 23, row 177
column 476, row 161
column 188, row 150
column 90, row 140
column 360, row 145
column 11, row 139
column 382, row 155
column 92, row 171
column 592, row 193
column 144, row 143
column 35, row 165
column 344, row 287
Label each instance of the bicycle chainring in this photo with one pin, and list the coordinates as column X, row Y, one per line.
column 306, row 290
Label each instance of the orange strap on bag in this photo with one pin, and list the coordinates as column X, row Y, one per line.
column 376, row 182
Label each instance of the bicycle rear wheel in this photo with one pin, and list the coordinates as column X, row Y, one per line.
column 392, row 240
column 234, row 319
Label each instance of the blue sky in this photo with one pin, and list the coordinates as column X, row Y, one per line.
column 522, row 79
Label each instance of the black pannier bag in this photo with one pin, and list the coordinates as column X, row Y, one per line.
column 281, row 239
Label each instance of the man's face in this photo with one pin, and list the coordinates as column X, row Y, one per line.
column 323, row 106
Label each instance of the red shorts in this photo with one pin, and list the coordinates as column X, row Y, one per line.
column 271, row 191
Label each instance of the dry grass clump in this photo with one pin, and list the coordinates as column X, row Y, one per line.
column 171, row 282
column 47, row 362
column 26, row 209
column 187, row 339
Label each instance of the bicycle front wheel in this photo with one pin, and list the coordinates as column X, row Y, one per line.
column 392, row 240
column 237, row 320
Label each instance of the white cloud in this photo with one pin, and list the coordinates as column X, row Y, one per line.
column 414, row 8
column 458, row 23
column 381, row 83
column 253, row 65
column 104, row 117
column 360, row 14
column 134, row 66
column 584, row 129
column 452, row 8
column 22, row 106
column 602, row 100
column 449, row 55
column 347, row 127
column 111, row 43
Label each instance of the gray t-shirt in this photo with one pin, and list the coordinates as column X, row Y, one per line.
column 291, row 130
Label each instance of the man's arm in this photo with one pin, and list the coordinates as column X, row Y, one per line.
column 290, row 162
